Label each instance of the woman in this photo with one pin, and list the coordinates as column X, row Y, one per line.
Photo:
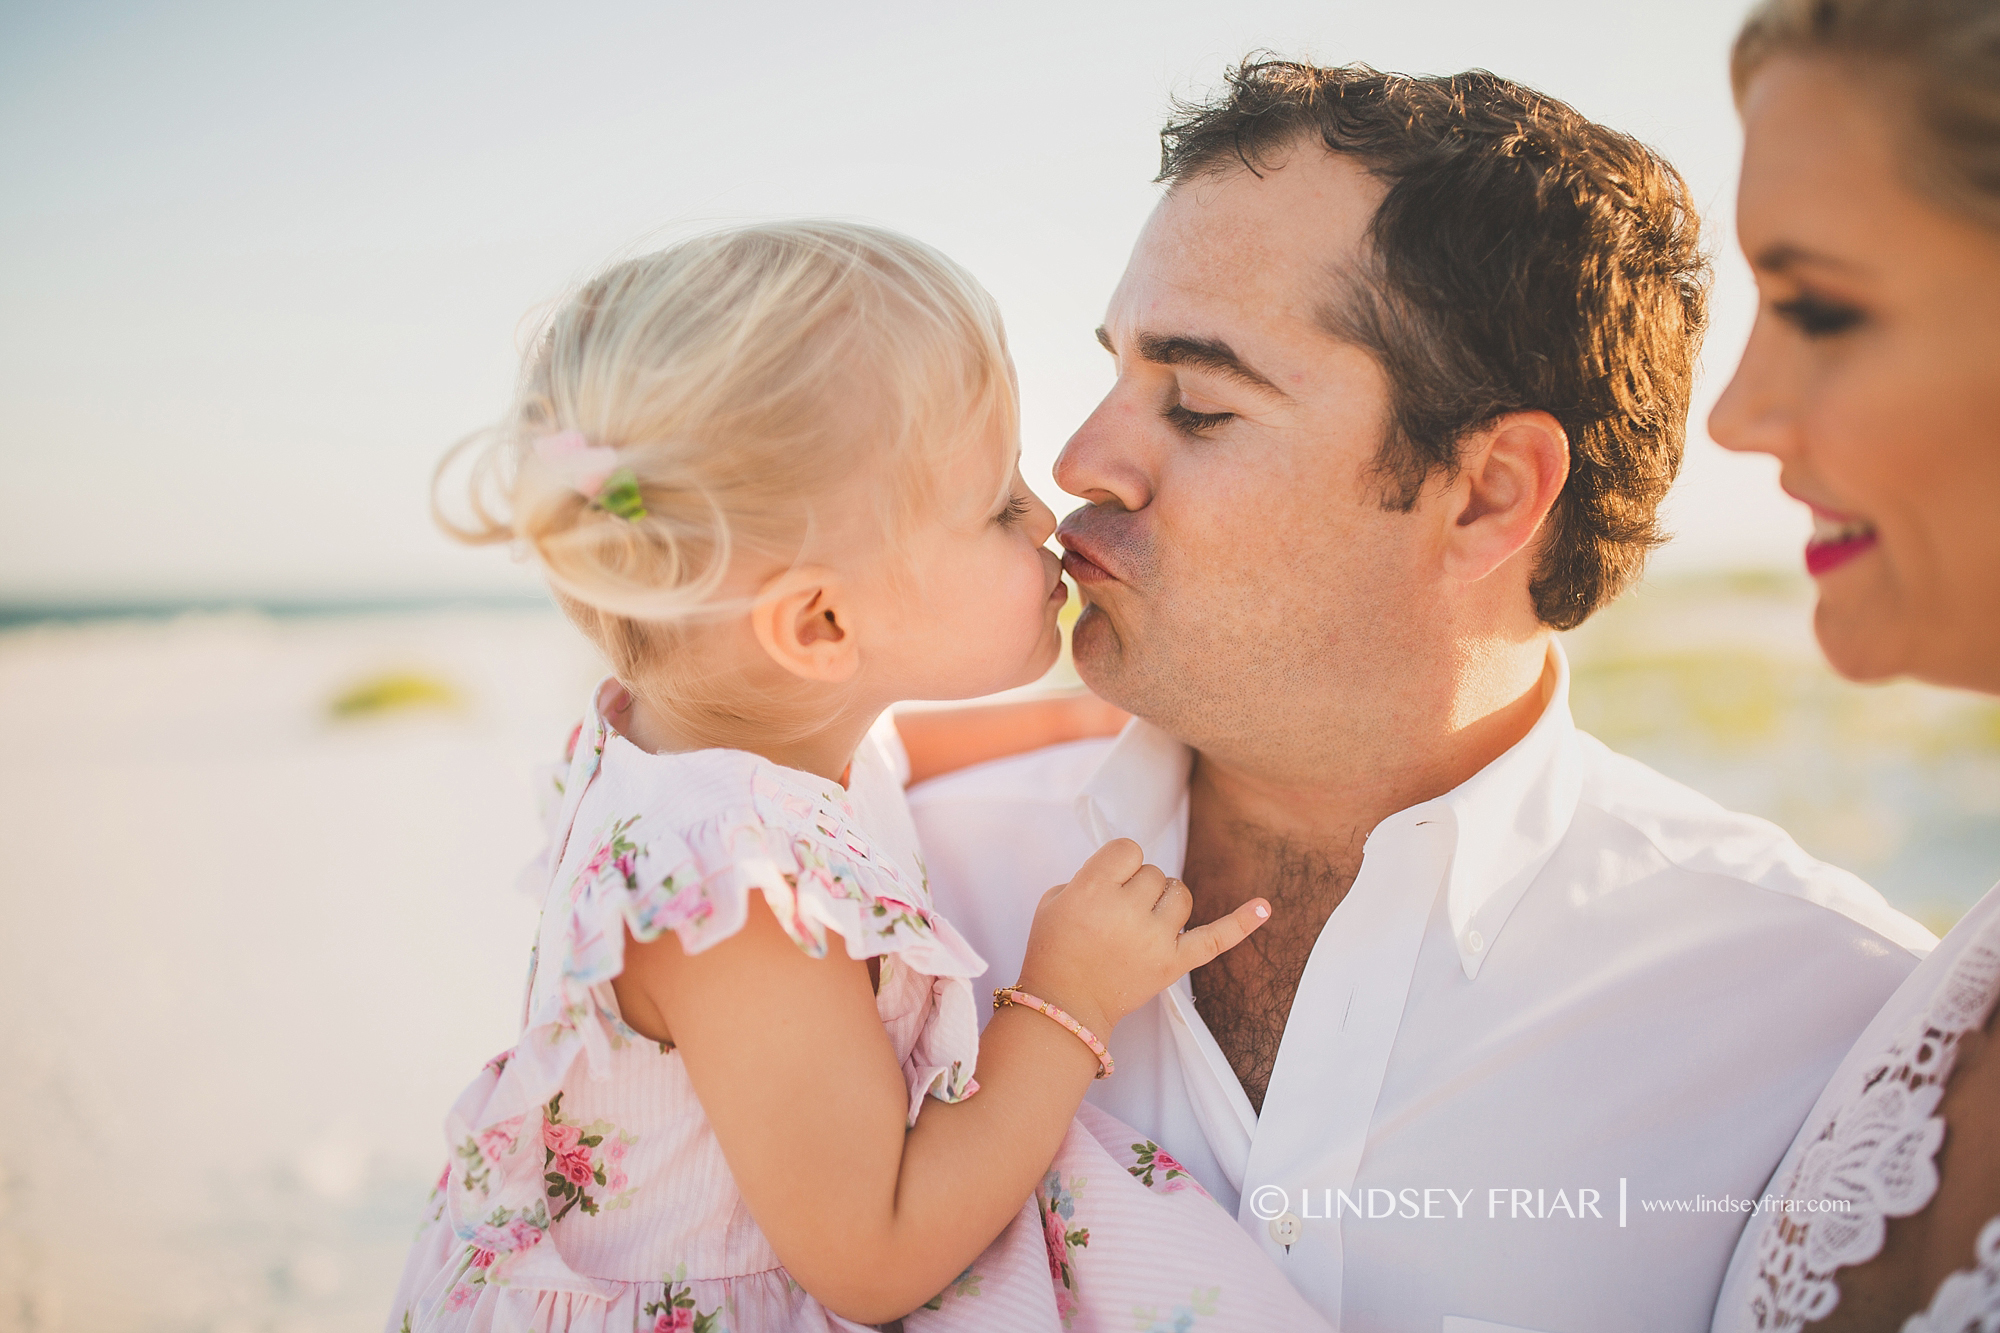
column 1870, row 212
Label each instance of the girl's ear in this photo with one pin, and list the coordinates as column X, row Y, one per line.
column 803, row 619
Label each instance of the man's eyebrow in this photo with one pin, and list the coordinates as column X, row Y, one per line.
column 1205, row 353
column 1785, row 256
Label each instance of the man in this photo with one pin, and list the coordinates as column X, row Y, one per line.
column 1403, row 373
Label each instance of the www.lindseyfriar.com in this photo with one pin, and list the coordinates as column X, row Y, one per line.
column 1273, row 1203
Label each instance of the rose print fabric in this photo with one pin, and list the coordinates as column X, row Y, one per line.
column 584, row 1187
column 1118, row 1236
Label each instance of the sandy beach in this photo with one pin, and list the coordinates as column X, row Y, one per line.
column 251, row 952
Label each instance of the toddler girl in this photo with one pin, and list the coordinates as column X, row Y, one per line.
column 772, row 474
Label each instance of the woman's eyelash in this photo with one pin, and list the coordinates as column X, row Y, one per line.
column 1016, row 509
column 1191, row 422
column 1817, row 318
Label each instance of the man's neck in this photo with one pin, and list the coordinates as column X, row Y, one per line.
column 1264, row 831
column 1330, row 791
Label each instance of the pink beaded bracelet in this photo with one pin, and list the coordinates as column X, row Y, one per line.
column 1015, row 995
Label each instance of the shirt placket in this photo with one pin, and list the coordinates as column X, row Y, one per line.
column 1320, row 1102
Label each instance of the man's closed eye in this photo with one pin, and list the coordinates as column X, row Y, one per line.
column 1190, row 422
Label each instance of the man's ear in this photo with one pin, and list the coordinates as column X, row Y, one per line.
column 1511, row 471
column 803, row 619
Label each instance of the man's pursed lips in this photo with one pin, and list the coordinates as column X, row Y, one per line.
column 1099, row 545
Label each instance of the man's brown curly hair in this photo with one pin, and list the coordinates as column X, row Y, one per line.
column 1523, row 258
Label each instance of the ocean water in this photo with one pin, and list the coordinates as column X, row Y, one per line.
column 257, row 922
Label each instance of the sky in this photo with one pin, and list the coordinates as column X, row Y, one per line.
column 263, row 262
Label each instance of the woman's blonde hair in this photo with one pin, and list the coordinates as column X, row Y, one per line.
column 1947, row 56
column 740, row 377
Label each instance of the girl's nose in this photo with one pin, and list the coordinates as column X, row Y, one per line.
column 1041, row 519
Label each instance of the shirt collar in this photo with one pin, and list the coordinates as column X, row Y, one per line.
column 1138, row 789
column 1506, row 819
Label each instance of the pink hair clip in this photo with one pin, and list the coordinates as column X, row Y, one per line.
column 592, row 471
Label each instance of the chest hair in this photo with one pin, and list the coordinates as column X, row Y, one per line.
column 1245, row 996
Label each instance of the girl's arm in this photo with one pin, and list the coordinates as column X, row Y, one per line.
column 943, row 740
column 792, row 1065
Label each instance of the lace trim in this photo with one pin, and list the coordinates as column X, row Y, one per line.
column 1969, row 1300
column 1873, row 1161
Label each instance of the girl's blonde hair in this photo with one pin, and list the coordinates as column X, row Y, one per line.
column 1942, row 59
column 740, row 377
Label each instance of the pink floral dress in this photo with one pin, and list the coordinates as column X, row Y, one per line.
column 585, row 1189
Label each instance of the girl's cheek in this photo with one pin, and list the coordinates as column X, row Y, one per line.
column 1035, row 581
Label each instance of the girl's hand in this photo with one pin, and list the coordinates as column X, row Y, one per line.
column 1111, row 939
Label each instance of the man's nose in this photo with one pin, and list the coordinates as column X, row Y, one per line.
column 1108, row 459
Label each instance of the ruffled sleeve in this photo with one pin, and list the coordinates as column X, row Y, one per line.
column 680, row 843
column 814, row 868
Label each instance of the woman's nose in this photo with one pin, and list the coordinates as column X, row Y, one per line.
column 1754, row 413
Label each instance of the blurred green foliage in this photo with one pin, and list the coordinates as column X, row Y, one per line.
column 394, row 692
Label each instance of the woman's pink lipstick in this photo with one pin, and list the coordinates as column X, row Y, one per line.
column 1836, row 540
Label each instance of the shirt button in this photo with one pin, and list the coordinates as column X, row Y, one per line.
column 1474, row 941
column 1285, row 1229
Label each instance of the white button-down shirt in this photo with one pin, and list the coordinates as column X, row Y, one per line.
column 1566, row 1019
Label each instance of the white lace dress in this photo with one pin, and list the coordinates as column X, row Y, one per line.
column 1866, row 1154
